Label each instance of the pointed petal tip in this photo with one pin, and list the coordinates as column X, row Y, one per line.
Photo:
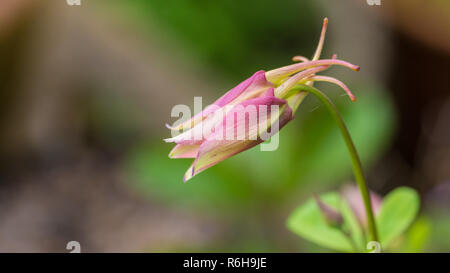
column 330, row 214
column 187, row 178
column 184, row 151
column 189, row 173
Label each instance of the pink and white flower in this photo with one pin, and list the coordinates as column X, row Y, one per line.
column 265, row 101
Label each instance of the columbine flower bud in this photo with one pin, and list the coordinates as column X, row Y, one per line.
column 353, row 197
column 331, row 216
column 264, row 102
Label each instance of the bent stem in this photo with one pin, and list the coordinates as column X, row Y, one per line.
column 356, row 162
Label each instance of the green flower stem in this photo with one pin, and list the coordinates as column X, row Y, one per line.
column 356, row 162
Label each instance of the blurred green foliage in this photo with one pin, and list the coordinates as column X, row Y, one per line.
column 307, row 221
column 398, row 211
column 440, row 225
column 418, row 236
column 235, row 38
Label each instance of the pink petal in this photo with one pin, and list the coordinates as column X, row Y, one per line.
column 250, row 88
column 217, row 148
column 184, row 151
column 198, row 133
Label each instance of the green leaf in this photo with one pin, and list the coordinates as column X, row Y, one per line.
column 418, row 235
column 398, row 211
column 308, row 222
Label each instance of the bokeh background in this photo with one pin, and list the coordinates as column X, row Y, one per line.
column 85, row 92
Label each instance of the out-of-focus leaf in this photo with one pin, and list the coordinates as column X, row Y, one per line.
column 418, row 235
column 308, row 222
column 398, row 211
